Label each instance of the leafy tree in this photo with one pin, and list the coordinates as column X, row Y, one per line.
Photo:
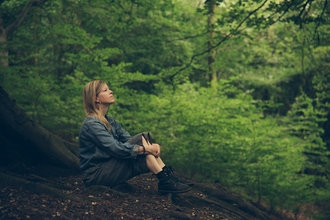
column 222, row 136
column 154, row 55
column 304, row 122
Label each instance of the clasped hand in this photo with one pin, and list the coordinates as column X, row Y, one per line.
column 153, row 149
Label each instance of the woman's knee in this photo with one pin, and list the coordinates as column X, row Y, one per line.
column 146, row 136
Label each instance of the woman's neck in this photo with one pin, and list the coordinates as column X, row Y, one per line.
column 103, row 109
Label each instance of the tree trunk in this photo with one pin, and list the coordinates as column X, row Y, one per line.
column 6, row 31
column 212, row 75
column 23, row 140
column 3, row 44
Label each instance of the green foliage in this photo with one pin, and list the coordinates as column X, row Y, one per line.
column 304, row 122
column 216, row 138
column 153, row 54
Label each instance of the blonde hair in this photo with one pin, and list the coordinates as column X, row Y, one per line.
column 91, row 108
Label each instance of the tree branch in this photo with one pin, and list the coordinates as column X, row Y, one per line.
column 188, row 37
column 304, row 6
column 322, row 13
column 235, row 31
column 11, row 28
column 285, row 10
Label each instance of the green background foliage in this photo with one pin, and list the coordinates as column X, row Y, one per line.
column 261, row 129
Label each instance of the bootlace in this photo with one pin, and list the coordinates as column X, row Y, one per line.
column 175, row 183
column 171, row 174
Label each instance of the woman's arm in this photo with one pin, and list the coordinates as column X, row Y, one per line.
column 105, row 141
column 119, row 131
column 153, row 149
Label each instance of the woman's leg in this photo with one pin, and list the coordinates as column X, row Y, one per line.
column 153, row 164
column 156, row 165
column 160, row 162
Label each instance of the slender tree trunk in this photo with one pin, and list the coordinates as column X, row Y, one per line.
column 212, row 73
column 6, row 31
column 3, row 51
column 3, row 44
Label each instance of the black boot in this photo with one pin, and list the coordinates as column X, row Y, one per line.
column 176, row 178
column 167, row 185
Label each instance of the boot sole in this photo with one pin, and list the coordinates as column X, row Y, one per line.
column 174, row 192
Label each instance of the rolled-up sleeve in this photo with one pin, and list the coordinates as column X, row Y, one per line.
column 106, row 141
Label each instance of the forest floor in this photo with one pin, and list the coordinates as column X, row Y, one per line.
column 138, row 199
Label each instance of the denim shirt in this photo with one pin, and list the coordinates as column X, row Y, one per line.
column 97, row 144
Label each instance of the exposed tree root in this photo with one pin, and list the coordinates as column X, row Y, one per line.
column 123, row 190
column 179, row 215
column 221, row 196
column 35, row 187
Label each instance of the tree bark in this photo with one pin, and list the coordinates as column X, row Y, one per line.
column 23, row 140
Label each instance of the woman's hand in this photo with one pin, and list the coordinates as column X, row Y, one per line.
column 153, row 149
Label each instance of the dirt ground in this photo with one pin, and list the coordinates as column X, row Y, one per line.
column 138, row 199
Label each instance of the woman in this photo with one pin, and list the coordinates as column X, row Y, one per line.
column 109, row 155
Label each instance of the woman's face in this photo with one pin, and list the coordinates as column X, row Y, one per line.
column 105, row 96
